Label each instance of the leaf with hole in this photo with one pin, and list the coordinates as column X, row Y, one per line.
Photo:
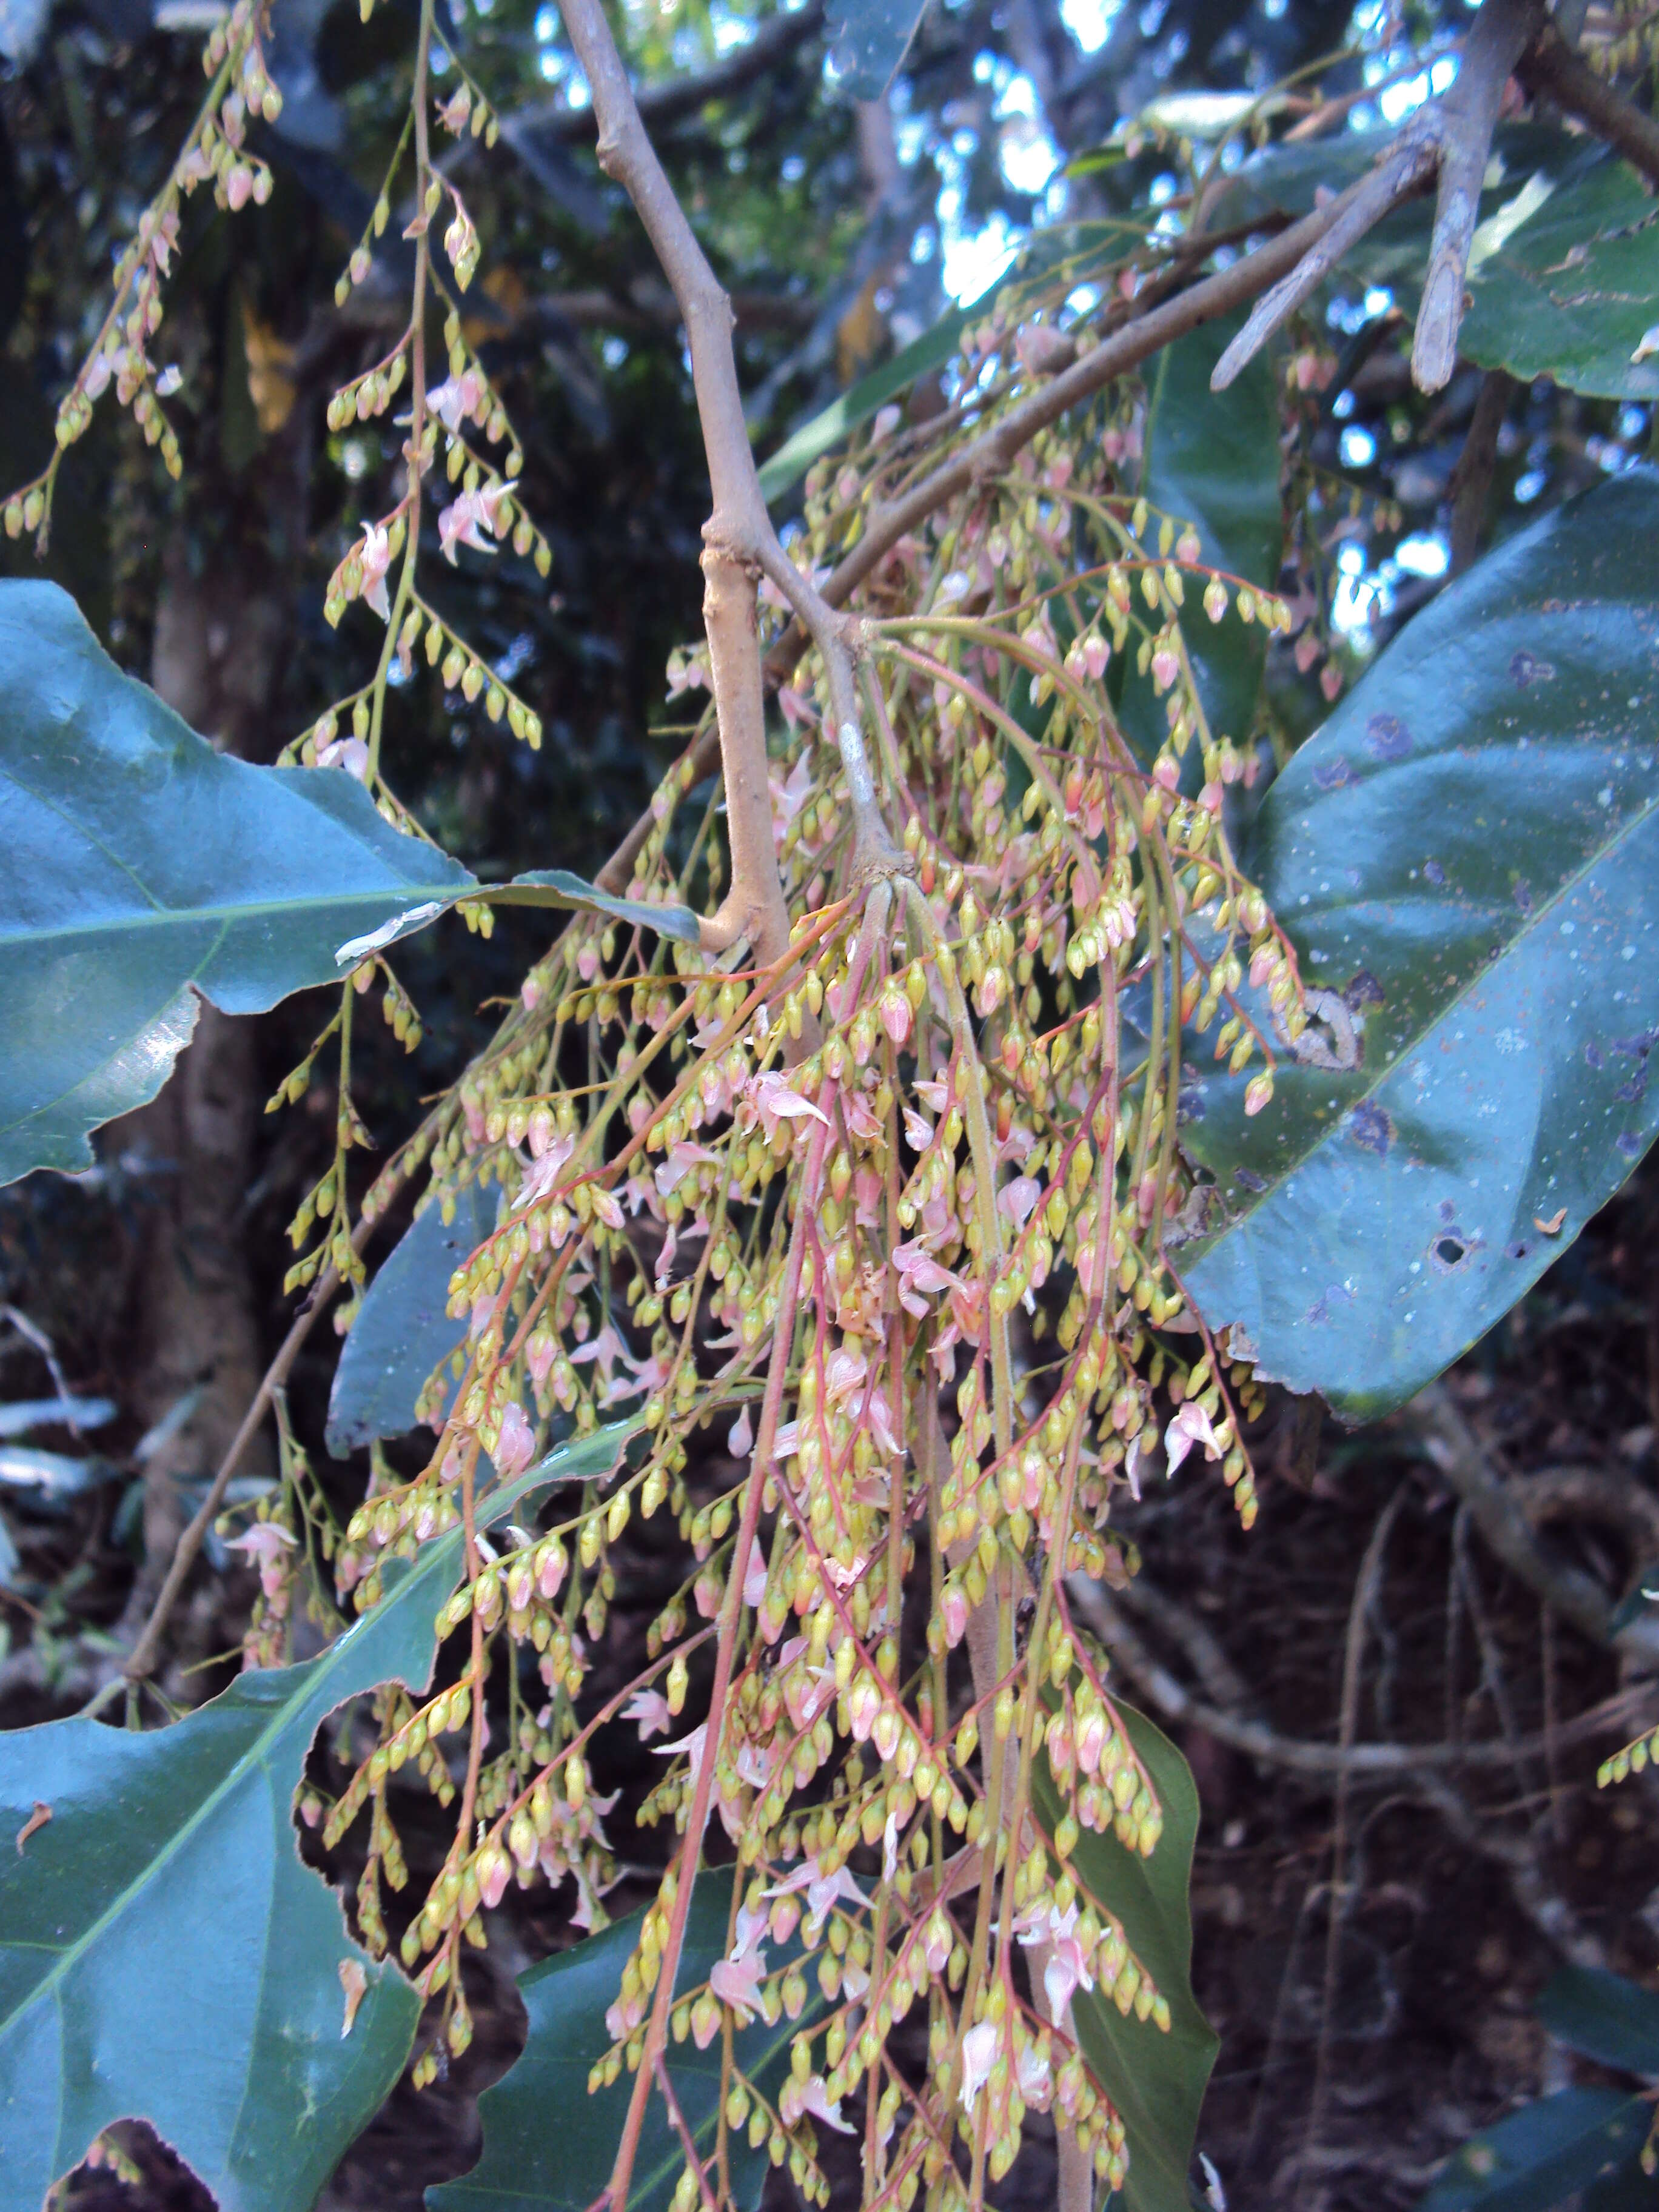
column 1156, row 2081
column 1466, row 858
column 549, row 2146
column 165, row 1955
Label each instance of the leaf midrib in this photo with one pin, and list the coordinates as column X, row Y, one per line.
column 158, row 914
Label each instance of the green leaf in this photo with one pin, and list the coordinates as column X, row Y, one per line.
column 1212, row 458
column 1466, row 855
column 868, row 39
column 1613, row 2020
column 403, row 1328
column 1156, row 2082
column 140, row 863
column 549, row 2147
column 865, row 398
column 164, row 1954
column 1571, row 290
column 557, row 887
column 1543, row 2152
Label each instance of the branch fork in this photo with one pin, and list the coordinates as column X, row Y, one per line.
column 1449, row 139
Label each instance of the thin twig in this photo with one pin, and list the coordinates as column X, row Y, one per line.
column 1295, row 1754
column 142, row 1661
column 1500, row 1514
column 1367, row 1584
column 1471, row 479
column 1551, row 66
column 688, row 2142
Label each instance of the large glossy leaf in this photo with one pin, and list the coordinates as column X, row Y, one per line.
column 403, row 1328
column 139, row 864
column 164, row 1954
column 1543, row 2152
column 143, row 867
column 1156, row 2081
column 1609, row 2018
column 1212, row 458
column 1467, row 856
column 549, row 2147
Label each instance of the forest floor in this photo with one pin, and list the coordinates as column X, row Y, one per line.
column 1369, row 1946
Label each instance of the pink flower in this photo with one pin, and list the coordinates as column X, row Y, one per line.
column 1037, row 2082
column 799, row 2098
column 895, row 1009
column 460, row 525
column 822, row 1889
column 736, row 1980
column 691, row 1745
column 650, row 1709
column 1068, row 1969
column 979, row 2051
column 606, row 1205
column 921, row 1276
column 375, row 556
column 454, row 112
column 683, row 1156
column 740, row 1440
column 543, row 1174
column 349, row 753
column 1190, row 1426
column 774, row 1101
column 269, row 1545
column 1018, row 1198
column 845, row 1372
column 515, row 1445
column 755, row 1574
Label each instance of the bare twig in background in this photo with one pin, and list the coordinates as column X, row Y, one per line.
column 1470, row 481
column 1105, row 1614
column 672, row 100
column 1367, row 1584
column 1499, row 1511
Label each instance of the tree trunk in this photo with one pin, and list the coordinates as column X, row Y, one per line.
column 216, row 654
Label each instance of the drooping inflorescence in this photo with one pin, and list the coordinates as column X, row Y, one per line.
column 874, row 1244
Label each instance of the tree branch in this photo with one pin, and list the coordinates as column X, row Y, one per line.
column 1468, row 114
column 1471, row 479
column 1551, row 66
column 740, row 542
column 661, row 104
